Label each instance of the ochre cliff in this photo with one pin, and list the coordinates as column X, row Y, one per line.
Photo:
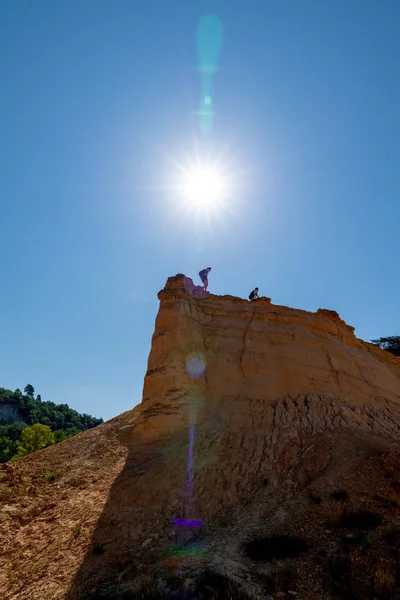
column 225, row 356
column 258, row 422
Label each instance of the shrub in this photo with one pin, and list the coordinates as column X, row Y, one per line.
column 340, row 496
column 276, row 546
column 363, row 519
column 76, row 529
column 51, row 477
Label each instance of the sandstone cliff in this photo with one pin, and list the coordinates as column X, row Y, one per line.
column 258, row 422
column 237, row 359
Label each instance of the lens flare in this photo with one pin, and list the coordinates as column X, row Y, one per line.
column 210, row 33
column 187, row 522
column 195, row 402
column 195, row 364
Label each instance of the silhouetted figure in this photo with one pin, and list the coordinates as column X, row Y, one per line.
column 204, row 277
column 253, row 295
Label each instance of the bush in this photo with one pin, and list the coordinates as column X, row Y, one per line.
column 51, row 477
column 276, row 546
column 340, row 496
column 363, row 519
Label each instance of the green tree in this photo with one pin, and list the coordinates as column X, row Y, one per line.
column 59, row 418
column 34, row 438
column 29, row 390
column 59, row 436
column 12, row 431
column 70, row 431
column 391, row 344
column 7, row 449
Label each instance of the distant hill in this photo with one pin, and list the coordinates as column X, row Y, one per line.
column 20, row 410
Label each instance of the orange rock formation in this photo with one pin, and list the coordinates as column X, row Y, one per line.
column 233, row 358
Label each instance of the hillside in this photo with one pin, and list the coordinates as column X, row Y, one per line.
column 19, row 411
column 266, row 447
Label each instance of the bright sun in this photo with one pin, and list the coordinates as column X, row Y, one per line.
column 203, row 188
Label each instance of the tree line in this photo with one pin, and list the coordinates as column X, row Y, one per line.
column 42, row 423
column 391, row 344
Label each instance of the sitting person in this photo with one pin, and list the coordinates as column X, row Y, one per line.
column 253, row 295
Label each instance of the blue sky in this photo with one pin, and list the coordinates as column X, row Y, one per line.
column 96, row 116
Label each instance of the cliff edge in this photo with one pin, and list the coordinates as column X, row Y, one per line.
column 226, row 356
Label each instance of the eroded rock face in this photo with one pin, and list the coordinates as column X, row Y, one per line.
column 224, row 356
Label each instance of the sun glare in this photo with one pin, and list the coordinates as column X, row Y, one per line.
column 203, row 187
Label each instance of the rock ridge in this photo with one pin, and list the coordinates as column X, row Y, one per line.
column 223, row 350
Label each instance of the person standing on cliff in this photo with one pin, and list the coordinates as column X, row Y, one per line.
column 253, row 295
column 204, row 277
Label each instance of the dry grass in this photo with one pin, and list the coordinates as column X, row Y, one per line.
column 337, row 509
column 385, row 579
column 364, row 576
column 208, row 585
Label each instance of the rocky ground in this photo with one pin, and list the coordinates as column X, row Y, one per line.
column 324, row 523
